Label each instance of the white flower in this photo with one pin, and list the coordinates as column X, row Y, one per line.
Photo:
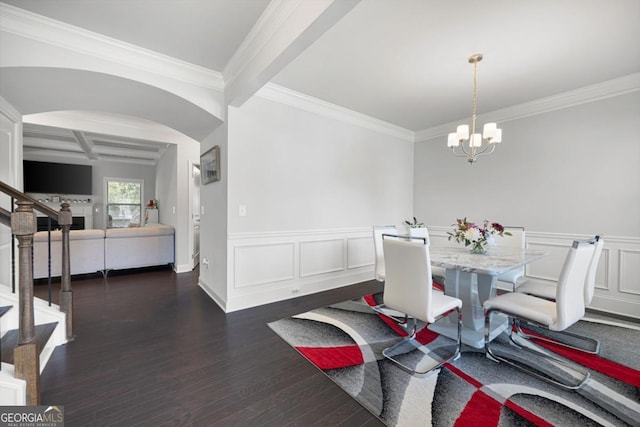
column 472, row 234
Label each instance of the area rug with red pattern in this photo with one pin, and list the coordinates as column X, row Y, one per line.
column 346, row 341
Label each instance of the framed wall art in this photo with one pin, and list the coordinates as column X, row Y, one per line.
column 210, row 165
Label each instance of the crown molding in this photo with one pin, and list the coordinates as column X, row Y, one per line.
column 49, row 31
column 313, row 105
column 607, row 89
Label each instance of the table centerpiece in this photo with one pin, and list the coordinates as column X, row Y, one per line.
column 476, row 236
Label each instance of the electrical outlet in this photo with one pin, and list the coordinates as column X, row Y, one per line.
column 174, row 209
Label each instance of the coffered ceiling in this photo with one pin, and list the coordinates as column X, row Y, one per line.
column 54, row 142
column 400, row 61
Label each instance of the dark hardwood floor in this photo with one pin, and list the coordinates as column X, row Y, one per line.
column 152, row 349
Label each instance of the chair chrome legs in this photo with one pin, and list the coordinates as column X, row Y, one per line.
column 389, row 352
column 539, row 371
column 595, row 343
column 401, row 319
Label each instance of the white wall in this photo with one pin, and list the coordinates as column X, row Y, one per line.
column 564, row 174
column 167, row 185
column 11, row 174
column 188, row 153
column 313, row 186
column 213, row 223
column 568, row 171
column 295, row 170
column 172, row 191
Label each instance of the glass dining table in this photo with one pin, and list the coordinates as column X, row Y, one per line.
column 472, row 278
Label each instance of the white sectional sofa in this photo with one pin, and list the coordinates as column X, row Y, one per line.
column 138, row 247
column 100, row 250
column 86, row 249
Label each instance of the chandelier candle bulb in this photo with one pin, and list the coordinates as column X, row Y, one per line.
column 498, row 138
column 489, row 130
column 463, row 132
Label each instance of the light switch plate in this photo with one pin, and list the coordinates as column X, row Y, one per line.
column 242, row 210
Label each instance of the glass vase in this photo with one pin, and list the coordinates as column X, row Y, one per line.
column 478, row 248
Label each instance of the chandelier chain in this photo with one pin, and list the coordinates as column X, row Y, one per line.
column 475, row 96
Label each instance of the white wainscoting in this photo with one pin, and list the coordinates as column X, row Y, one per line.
column 268, row 267
column 617, row 278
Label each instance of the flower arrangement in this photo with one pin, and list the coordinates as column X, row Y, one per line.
column 478, row 236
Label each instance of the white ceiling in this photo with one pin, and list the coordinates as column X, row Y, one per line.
column 400, row 61
column 405, row 61
column 202, row 32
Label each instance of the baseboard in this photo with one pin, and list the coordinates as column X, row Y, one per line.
column 213, row 295
column 615, row 306
column 293, row 290
column 182, row 268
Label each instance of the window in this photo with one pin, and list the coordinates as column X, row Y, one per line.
column 124, row 202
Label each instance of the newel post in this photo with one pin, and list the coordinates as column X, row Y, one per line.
column 65, row 219
column 25, row 355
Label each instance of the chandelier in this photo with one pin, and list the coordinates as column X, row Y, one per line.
column 479, row 144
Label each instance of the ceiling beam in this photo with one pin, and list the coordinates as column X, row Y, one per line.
column 284, row 30
column 87, row 146
column 49, row 144
column 128, row 160
column 125, row 152
column 47, row 153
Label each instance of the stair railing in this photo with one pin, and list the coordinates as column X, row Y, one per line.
column 23, row 227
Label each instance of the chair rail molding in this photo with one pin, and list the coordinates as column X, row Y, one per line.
column 617, row 286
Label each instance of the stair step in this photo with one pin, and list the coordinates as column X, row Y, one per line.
column 10, row 340
column 4, row 309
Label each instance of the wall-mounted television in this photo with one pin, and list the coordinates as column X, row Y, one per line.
column 57, row 178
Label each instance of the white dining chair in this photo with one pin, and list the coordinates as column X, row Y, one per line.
column 436, row 271
column 516, row 240
column 408, row 290
column 378, row 231
column 544, row 289
column 558, row 315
